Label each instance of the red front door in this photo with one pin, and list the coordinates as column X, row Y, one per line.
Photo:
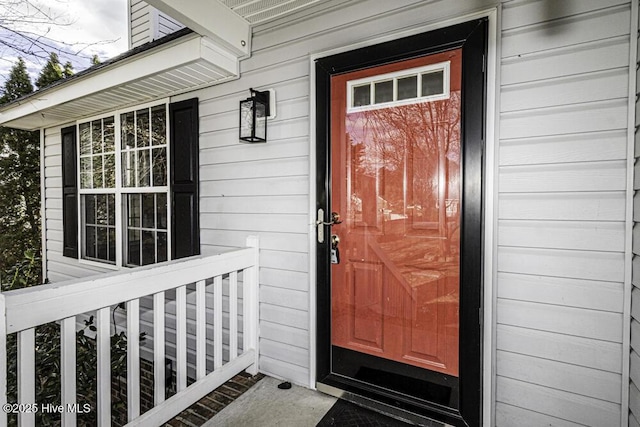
column 396, row 183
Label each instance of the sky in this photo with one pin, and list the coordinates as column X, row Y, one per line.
column 87, row 27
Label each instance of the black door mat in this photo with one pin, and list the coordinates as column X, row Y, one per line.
column 347, row 414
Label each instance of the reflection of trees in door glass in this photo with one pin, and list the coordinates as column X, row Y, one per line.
column 405, row 164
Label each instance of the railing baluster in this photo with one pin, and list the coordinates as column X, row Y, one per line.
column 217, row 322
column 181, row 338
column 103, row 339
column 201, row 330
column 68, row 369
column 251, row 283
column 233, row 315
column 158, row 349
column 133, row 359
column 26, row 375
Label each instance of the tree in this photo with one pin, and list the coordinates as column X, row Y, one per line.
column 53, row 71
column 19, row 181
column 25, row 27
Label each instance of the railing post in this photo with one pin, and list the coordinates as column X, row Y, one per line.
column 3, row 360
column 251, row 304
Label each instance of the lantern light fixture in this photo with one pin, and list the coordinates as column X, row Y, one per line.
column 254, row 112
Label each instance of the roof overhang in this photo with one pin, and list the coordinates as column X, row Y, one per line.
column 168, row 68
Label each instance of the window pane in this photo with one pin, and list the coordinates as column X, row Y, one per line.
column 361, row 95
column 110, row 171
column 159, row 167
column 144, row 169
column 90, row 209
column 85, row 172
column 142, row 127
column 162, row 212
column 111, row 209
column 433, row 83
column 148, row 247
column 129, row 169
column 101, row 209
column 101, row 244
column 85, row 138
column 90, row 248
column 148, row 211
column 97, row 172
column 112, row 244
column 127, row 131
column 96, row 136
column 134, row 247
column 134, row 210
column 109, row 135
column 159, row 125
column 162, row 246
column 408, row 87
column 384, row 92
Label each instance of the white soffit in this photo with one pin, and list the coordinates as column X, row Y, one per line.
column 261, row 11
column 178, row 66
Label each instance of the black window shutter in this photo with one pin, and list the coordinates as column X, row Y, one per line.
column 69, row 193
column 184, row 135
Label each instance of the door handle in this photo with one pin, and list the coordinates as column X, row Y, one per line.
column 320, row 223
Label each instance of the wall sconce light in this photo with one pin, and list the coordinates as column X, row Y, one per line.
column 253, row 116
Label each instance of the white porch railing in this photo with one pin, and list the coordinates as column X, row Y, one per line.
column 22, row 310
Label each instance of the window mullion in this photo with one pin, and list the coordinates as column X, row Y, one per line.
column 120, row 212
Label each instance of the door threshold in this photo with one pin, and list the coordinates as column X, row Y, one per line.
column 380, row 407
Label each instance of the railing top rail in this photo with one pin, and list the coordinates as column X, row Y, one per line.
column 30, row 307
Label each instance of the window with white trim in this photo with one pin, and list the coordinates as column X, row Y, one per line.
column 421, row 84
column 123, row 173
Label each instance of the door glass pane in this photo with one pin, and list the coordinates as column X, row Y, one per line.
column 408, row 87
column 433, row 83
column 384, row 91
column 361, row 95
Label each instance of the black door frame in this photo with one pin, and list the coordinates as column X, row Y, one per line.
column 472, row 38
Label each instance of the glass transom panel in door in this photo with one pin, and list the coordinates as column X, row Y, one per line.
column 396, row 182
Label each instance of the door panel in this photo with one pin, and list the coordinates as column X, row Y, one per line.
column 396, row 183
column 397, row 318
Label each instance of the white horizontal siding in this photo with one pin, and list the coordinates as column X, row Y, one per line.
column 561, row 230
column 634, row 358
column 140, row 21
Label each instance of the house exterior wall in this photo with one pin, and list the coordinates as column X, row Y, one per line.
column 634, row 365
column 146, row 23
column 563, row 93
